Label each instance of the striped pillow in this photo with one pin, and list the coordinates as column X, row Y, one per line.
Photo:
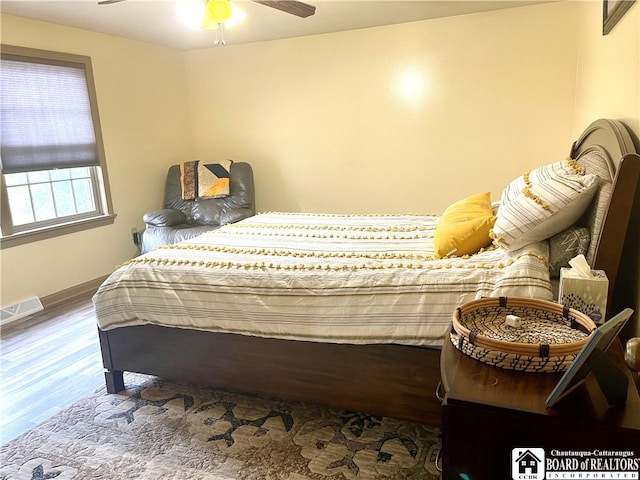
column 541, row 203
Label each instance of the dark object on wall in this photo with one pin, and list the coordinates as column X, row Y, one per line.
column 612, row 12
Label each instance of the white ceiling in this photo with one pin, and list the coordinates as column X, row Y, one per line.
column 158, row 21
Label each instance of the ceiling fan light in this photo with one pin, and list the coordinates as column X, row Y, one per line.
column 216, row 12
column 208, row 23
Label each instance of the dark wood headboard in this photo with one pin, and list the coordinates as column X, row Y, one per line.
column 614, row 141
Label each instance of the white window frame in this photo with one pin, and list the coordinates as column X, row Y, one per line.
column 103, row 215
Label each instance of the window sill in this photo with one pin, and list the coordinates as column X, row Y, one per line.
column 23, row 238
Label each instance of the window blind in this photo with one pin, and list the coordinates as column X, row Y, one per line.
column 46, row 120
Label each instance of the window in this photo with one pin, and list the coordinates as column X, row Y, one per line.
column 54, row 177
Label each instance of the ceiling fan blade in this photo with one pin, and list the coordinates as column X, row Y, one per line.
column 293, row 7
column 107, row 2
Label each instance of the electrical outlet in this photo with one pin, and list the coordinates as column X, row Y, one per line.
column 135, row 235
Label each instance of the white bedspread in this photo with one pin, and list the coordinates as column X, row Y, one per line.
column 333, row 278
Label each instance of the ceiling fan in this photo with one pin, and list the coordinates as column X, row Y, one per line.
column 216, row 13
column 293, row 7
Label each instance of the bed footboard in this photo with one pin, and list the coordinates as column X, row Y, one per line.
column 114, row 380
column 390, row 380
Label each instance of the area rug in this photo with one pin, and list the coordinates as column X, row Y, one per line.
column 168, row 430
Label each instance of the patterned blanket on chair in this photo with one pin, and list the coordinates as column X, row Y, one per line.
column 205, row 180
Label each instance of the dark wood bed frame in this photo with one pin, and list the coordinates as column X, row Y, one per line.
column 390, row 380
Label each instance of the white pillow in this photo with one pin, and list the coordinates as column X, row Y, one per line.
column 541, row 203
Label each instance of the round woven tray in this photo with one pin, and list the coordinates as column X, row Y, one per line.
column 547, row 340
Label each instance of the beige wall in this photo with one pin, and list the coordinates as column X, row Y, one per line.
column 608, row 86
column 406, row 118
column 141, row 92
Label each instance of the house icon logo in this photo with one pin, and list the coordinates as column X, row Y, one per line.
column 527, row 464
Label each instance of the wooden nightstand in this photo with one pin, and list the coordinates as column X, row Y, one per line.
column 489, row 411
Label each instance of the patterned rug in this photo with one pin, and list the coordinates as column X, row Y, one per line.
column 166, row 430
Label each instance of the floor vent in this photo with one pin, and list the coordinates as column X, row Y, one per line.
column 21, row 309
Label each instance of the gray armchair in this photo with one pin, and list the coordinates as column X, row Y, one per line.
column 184, row 219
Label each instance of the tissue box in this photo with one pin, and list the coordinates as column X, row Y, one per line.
column 587, row 295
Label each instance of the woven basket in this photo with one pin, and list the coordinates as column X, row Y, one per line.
column 547, row 340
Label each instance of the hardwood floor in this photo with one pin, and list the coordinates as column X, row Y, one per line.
column 47, row 362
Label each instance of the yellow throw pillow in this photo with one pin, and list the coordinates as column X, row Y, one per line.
column 464, row 226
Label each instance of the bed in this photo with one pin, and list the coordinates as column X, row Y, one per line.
column 345, row 310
